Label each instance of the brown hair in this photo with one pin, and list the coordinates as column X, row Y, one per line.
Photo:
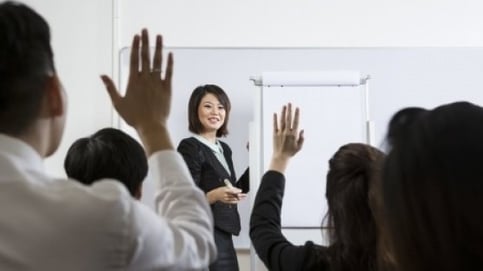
column 351, row 194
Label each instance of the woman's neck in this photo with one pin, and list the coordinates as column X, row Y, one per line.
column 210, row 136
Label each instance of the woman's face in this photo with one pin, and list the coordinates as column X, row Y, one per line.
column 211, row 113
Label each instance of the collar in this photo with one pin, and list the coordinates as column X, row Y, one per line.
column 20, row 154
column 215, row 147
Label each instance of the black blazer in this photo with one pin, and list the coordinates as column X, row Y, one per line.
column 208, row 173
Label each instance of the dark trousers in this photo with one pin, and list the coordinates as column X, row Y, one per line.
column 226, row 260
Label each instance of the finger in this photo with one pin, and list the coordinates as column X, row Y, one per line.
column 111, row 90
column 134, row 65
column 282, row 118
column 145, row 51
column 158, row 56
column 300, row 141
column 242, row 196
column 234, row 190
column 289, row 116
column 295, row 124
column 230, row 200
column 275, row 123
column 169, row 69
column 232, row 197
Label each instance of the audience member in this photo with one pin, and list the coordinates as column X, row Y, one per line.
column 108, row 154
column 433, row 189
column 55, row 224
column 351, row 182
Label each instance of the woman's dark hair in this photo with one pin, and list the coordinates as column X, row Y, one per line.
column 352, row 175
column 109, row 153
column 433, row 188
column 26, row 62
column 195, row 125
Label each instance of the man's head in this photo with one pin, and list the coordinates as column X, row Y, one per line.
column 32, row 101
column 109, row 153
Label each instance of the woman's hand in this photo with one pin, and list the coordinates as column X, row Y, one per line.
column 287, row 140
column 229, row 195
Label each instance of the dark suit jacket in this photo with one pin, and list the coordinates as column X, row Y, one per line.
column 208, row 173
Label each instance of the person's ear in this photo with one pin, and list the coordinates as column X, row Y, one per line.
column 54, row 97
column 139, row 192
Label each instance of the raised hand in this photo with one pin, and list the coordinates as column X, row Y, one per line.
column 147, row 102
column 287, row 139
column 148, row 96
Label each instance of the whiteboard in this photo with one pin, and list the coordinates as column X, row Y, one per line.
column 400, row 77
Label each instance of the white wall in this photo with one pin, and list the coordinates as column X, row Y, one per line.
column 82, row 36
column 82, row 44
column 342, row 23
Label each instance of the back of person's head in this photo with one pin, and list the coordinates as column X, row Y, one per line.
column 26, row 64
column 197, row 95
column 353, row 174
column 109, row 153
column 433, row 187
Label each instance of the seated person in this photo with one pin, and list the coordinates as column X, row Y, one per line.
column 351, row 182
column 108, row 154
column 51, row 223
column 433, row 188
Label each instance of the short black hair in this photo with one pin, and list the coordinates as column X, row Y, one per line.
column 197, row 95
column 109, row 153
column 26, row 62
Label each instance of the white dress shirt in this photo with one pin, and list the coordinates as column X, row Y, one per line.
column 59, row 224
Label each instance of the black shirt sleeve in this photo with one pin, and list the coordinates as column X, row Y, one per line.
column 276, row 252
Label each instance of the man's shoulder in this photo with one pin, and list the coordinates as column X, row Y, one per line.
column 102, row 194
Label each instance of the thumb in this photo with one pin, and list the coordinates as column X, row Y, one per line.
column 301, row 139
column 111, row 90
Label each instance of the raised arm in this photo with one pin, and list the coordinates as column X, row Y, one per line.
column 276, row 252
column 180, row 236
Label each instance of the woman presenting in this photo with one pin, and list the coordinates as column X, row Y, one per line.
column 211, row 165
